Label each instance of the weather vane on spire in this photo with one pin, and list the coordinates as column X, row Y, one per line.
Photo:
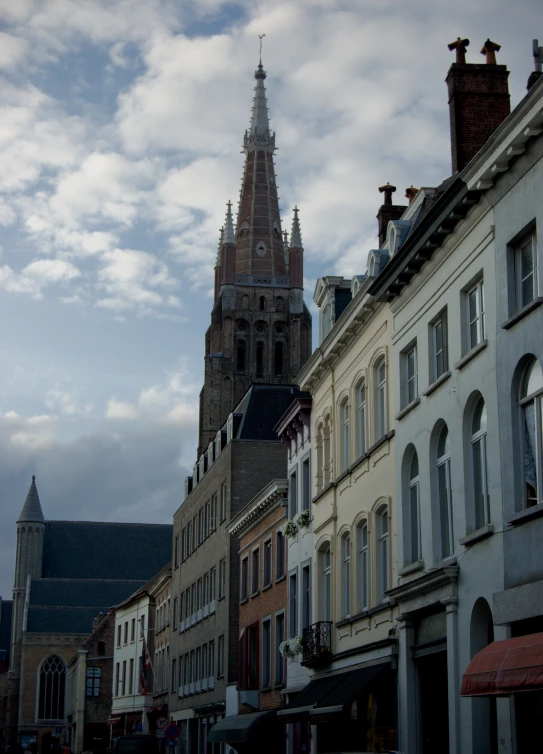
column 261, row 37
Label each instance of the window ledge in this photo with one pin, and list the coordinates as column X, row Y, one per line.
column 280, row 578
column 526, row 515
column 477, row 535
column 471, row 354
column 268, row 586
column 436, row 383
column 342, row 476
column 343, row 622
column 407, row 409
column 323, row 492
column 417, row 565
column 255, row 594
column 243, row 601
column 535, row 304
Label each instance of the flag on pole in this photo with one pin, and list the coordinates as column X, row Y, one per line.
column 145, row 665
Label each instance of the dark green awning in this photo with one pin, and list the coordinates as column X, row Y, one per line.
column 240, row 728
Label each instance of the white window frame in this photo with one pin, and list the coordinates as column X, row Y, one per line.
column 479, row 447
column 361, row 400
column 384, row 555
column 530, row 238
column 326, row 582
column 381, row 398
column 363, row 562
column 410, row 374
column 477, row 317
column 346, row 574
column 534, row 398
column 345, row 435
column 435, row 351
column 413, row 501
column 444, row 462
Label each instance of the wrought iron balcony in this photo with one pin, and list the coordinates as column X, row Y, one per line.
column 317, row 643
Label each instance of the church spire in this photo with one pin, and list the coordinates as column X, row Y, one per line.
column 296, row 254
column 32, row 508
column 259, row 135
column 228, row 230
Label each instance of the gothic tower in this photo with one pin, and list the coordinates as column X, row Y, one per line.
column 28, row 565
column 260, row 327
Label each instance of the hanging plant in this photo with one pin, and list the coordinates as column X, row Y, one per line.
column 291, row 647
column 303, row 518
column 289, row 528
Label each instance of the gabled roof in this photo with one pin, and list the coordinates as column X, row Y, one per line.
column 265, row 405
column 32, row 511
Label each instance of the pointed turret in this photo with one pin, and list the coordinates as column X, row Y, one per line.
column 296, row 254
column 259, row 135
column 32, row 508
column 218, row 266
column 228, row 248
column 228, row 230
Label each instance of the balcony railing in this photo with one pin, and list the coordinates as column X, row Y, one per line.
column 317, row 643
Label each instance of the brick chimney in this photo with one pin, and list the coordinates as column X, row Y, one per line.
column 478, row 101
column 388, row 211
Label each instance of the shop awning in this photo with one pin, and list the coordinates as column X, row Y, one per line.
column 240, row 728
column 506, row 667
column 329, row 694
column 114, row 719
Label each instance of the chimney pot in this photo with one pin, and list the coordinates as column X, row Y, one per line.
column 490, row 49
column 411, row 193
column 536, row 74
column 387, row 190
column 460, row 46
column 388, row 211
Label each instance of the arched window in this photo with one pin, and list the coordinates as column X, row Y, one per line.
column 319, row 439
column 326, row 452
column 381, row 387
column 326, row 570
column 345, row 435
column 346, row 574
column 240, row 356
column 52, row 689
column 478, row 455
column 444, row 493
column 361, row 396
column 278, row 361
column 260, row 359
column 531, row 404
column 383, row 552
column 279, row 304
column 363, row 565
column 262, row 303
column 413, row 512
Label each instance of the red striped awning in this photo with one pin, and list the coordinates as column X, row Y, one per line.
column 506, row 667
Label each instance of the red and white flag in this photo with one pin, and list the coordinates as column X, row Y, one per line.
column 145, row 665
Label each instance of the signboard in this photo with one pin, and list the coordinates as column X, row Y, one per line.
column 172, row 731
column 161, row 723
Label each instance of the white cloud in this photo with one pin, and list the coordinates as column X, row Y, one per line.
column 120, row 410
column 37, row 275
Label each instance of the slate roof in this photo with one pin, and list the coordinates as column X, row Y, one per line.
column 80, row 592
column 62, row 620
column 264, row 405
column 107, row 551
column 32, row 508
column 6, row 610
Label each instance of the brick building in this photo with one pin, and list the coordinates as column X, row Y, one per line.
column 5, row 635
column 90, row 682
column 263, row 597
column 66, row 573
column 157, row 715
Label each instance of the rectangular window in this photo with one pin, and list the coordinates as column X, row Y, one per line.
column 200, row 594
column 131, row 677
column 361, row 419
column 174, row 675
column 182, row 608
column 255, row 574
column 244, row 579
column 93, row 682
column 267, row 575
column 133, row 630
column 184, row 544
column 214, row 512
column 123, row 686
column 438, row 347
column 525, row 272
column 200, row 526
column 222, row 578
column 189, row 538
column 119, row 634
column 117, row 677
column 252, row 657
column 306, row 597
column 198, row 669
column 306, row 485
column 191, row 668
column 181, row 672
column 176, row 553
column 279, row 555
column 212, row 582
column 266, row 654
column 194, row 533
column 292, row 497
column 475, row 302
column 223, row 501
column 193, row 599
column 174, row 614
column 211, row 659
column 220, row 657
column 207, row 519
column 279, row 659
column 143, row 625
column 126, row 632
column 383, row 554
column 204, row 661
column 293, row 606
column 205, row 600
column 409, row 375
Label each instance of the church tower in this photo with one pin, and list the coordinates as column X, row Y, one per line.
column 260, row 328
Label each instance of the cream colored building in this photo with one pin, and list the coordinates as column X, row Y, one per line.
column 353, row 509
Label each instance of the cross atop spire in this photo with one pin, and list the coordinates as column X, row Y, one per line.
column 32, row 508
column 296, row 234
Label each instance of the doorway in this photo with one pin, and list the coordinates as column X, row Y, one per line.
column 433, row 703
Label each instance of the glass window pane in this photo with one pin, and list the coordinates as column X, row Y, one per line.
column 478, row 488
column 530, row 455
column 444, row 510
column 414, row 467
column 414, row 522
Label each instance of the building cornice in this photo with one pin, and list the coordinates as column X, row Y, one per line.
column 274, row 494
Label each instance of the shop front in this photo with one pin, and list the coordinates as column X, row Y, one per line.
column 353, row 711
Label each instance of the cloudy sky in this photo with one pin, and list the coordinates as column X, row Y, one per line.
column 120, row 133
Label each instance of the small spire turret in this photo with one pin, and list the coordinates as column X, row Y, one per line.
column 228, row 235
column 296, row 234
column 259, row 134
column 32, row 508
